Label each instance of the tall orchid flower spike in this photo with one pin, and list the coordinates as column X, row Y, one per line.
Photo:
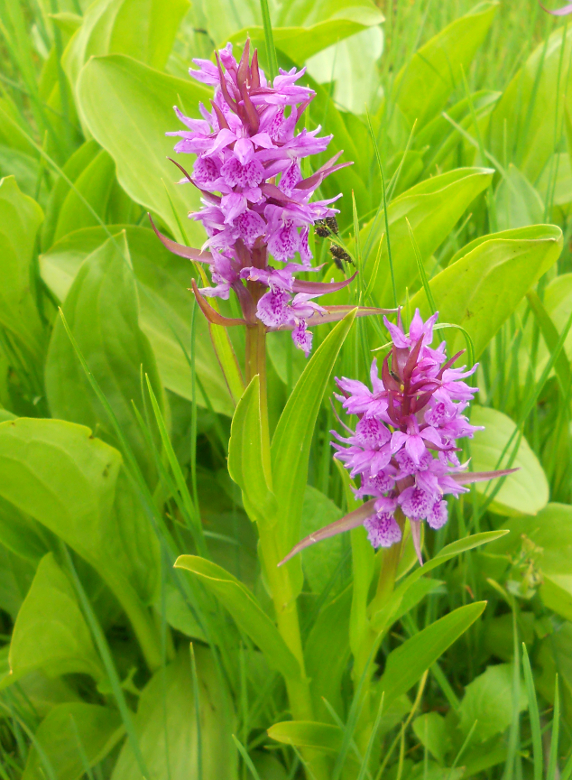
column 256, row 204
column 404, row 446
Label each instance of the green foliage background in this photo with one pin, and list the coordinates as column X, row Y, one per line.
column 115, row 417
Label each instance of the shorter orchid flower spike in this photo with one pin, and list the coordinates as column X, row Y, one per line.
column 257, row 208
column 404, row 446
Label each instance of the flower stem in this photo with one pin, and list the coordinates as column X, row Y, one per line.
column 279, row 580
column 365, row 658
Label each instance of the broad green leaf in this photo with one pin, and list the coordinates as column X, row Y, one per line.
column 68, row 735
column 128, row 108
column 167, row 728
column 406, row 664
column 101, row 310
column 94, row 185
column 424, row 84
column 247, row 461
column 320, row 562
column 432, row 207
column 20, row 218
column 246, row 612
column 50, row 632
column 300, row 29
column 526, row 492
column 166, row 306
column 517, row 202
column 524, row 121
column 21, row 534
column 62, row 476
column 143, row 30
column 268, row 767
column 72, row 169
column 322, row 736
column 486, row 280
column 382, row 619
column 293, row 435
column 551, row 532
column 351, row 65
column 432, row 731
column 16, row 575
column 439, row 138
column 488, row 699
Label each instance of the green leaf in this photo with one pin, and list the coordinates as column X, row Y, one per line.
column 70, row 734
column 299, row 29
column 382, row 619
column 321, row 736
column 247, row 461
column 16, row 575
column 433, row 207
column 551, row 336
column 21, row 534
column 486, row 280
column 432, row 731
column 20, row 218
column 524, row 492
column 293, row 435
column 551, row 532
column 517, row 202
column 144, row 31
column 165, row 306
column 489, row 700
column 302, row 40
column 524, row 121
column 424, row 84
column 320, row 561
column 62, row 476
column 94, row 184
column 128, row 108
column 406, row 664
column 246, row 611
column 167, row 728
column 72, row 169
column 50, row 632
column 352, row 64
column 101, row 309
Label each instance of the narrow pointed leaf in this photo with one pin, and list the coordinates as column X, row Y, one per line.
column 351, row 520
column 179, row 249
column 246, row 612
column 211, row 314
column 406, row 664
column 481, row 476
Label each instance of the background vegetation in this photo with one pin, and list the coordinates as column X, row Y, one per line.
column 110, row 469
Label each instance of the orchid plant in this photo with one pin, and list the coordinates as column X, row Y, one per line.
column 257, row 210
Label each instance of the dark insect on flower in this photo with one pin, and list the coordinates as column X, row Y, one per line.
column 332, row 225
column 339, row 254
column 326, row 227
column 321, row 229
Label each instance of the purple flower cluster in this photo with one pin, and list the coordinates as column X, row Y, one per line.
column 256, row 202
column 404, row 447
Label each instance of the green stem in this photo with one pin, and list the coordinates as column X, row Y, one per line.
column 365, row 657
column 283, row 593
